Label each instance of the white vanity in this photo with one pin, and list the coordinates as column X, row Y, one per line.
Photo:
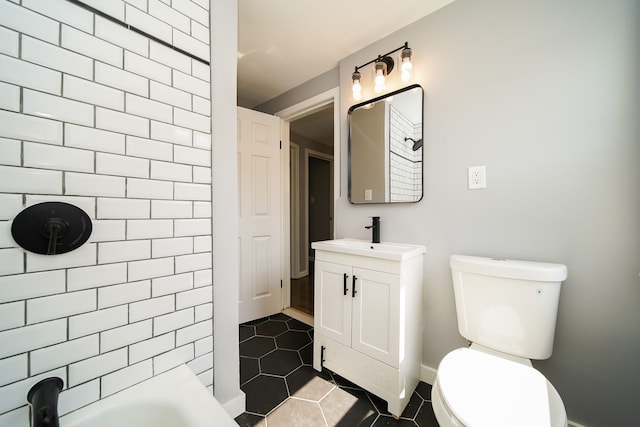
column 368, row 315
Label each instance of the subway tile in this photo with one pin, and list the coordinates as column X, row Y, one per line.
column 148, row 148
column 202, row 244
column 13, row 395
column 202, row 175
column 96, row 276
column 125, row 335
column 114, row 8
column 63, row 305
column 193, row 262
column 9, row 42
column 63, row 11
column 84, row 255
column 173, row 358
column 6, row 239
column 192, row 227
column 170, row 95
column 185, row 191
column 191, row 84
column 151, row 347
column 57, row 158
column 83, row 184
column 28, row 22
column 146, row 67
column 147, row 108
column 59, row 355
column 57, row 108
column 206, row 378
column 194, row 332
column 57, row 58
column 121, row 36
column 11, row 315
column 201, row 105
column 13, row 369
column 147, row 23
column 202, row 140
column 202, row 278
column 202, row 209
column 113, row 164
column 140, row 4
column 171, row 208
column 10, row 205
column 10, row 152
column 121, row 122
column 198, row 69
column 146, row 188
column 202, row 3
column 148, row 269
column 119, row 380
column 26, row 180
column 151, row 308
column 90, row 46
column 172, row 321
column 9, row 97
column 192, row 45
column 161, row 248
column 23, row 127
column 149, row 228
column 27, row 338
column 74, row 398
column 123, row 251
column 98, row 321
column 194, row 297
column 169, row 133
column 95, row 367
column 201, row 364
column 93, row 139
column 109, row 296
column 192, row 10
column 170, row 171
column 122, row 208
column 171, row 284
column 203, row 346
column 33, row 285
column 169, row 57
column 87, row 204
column 11, row 260
column 200, row 32
column 121, row 79
column 204, row 312
column 93, row 93
column 169, row 15
column 191, row 156
column 107, row 230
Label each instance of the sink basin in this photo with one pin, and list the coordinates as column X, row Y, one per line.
column 384, row 250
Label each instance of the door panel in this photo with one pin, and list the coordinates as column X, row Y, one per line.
column 332, row 312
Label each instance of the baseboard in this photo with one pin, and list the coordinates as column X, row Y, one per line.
column 236, row 405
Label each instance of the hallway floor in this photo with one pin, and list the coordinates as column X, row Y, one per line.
column 283, row 390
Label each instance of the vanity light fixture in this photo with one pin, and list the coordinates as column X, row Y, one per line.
column 382, row 66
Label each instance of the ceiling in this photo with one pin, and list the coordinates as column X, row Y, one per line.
column 284, row 43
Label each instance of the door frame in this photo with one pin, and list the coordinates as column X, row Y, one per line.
column 301, row 109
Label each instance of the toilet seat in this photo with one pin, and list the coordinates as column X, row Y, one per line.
column 480, row 389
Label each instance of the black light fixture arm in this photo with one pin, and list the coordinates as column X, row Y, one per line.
column 382, row 58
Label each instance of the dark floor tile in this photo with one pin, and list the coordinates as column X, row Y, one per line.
column 271, row 328
column 380, row 404
column 297, row 325
column 426, row 417
column 263, row 393
column 298, row 413
column 257, row 346
column 306, row 354
column 348, row 408
column 249, row 368
column 388, row 420
column 293, row 340
column 424, row 390
column 255, row 322
column 280, row 362
column 279, row 316
column 412, row 407
column 343, row 382
column 246, row 332
column 307, row 383
column 250, row 420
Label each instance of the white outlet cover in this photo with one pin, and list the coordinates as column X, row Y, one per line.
column 477, row 177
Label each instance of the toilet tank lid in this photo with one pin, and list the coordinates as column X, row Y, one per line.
column 525, row 270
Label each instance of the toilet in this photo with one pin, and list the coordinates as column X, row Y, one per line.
column 507, row 309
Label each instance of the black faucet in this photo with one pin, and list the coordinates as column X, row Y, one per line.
column 43, row 397
column 375, row 229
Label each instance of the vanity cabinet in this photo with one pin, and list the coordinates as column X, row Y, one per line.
column 368, row 319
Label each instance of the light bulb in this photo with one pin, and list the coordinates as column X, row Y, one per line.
column 406, row 67
column 379, row 79
column 356, row 88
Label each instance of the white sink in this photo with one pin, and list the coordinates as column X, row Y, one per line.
column 385, row 250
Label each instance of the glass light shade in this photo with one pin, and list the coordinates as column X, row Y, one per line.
column 379, row 80
column 356, row 88
column 406, row 67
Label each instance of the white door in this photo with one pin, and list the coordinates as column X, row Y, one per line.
column 260, row 198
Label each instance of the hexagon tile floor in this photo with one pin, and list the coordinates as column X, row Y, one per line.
column 283, row 390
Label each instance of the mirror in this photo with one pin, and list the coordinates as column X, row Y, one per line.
column 385, row 148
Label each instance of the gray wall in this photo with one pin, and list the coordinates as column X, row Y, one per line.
column 546, row 95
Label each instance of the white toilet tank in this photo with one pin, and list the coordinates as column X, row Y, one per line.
column 506, row 305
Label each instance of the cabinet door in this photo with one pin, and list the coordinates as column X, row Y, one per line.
column 332, row 309
column 376, row 315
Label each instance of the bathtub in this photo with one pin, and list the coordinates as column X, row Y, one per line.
column 175, row 398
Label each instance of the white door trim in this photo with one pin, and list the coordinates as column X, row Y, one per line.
column 288, row 115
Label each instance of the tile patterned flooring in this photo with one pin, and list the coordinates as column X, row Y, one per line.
column 283, row 390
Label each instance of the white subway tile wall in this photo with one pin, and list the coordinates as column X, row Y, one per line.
column 102, row 117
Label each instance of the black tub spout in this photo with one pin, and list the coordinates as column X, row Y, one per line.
column 43, row 397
